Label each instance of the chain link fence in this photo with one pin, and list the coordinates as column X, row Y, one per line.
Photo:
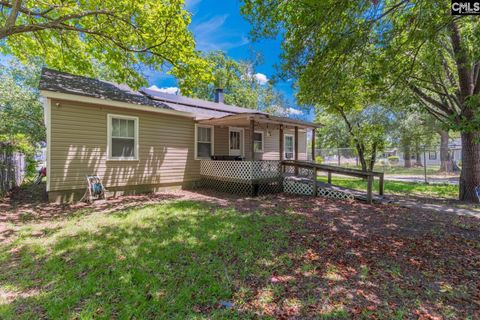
column 406, row 172
column 421, row 165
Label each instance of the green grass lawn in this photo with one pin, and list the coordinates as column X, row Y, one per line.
column 399, row 187
column 273, row 257
column 172, row 260
column 402, row 171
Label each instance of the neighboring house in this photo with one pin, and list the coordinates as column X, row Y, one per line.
column 432, row 154
column 146, row 140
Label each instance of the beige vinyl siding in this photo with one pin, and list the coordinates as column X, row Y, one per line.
column 79, row 148
column 271, row 146
column 221, row 141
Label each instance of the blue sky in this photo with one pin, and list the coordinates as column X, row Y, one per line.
column 218, row 25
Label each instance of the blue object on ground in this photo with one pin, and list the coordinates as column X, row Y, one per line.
column 226, row 304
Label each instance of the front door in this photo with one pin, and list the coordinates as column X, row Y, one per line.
column 235, row 141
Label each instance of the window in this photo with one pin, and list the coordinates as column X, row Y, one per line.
column 122, row 137
column 258, row 141
column 234, row 140
column 203, row 142
column 289, row 146
column 432, row 155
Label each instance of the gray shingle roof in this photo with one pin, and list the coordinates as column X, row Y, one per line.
column 197, row 103
column 53, row 80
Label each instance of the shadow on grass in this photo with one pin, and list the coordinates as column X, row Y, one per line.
column 288, row 257
column 171, row 260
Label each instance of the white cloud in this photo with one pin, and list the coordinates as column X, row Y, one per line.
column 211, row 34
column 191, row 4
column 294, row 112
column 170, row 90
column 261, row 78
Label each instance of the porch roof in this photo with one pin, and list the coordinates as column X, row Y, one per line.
column 243, row 120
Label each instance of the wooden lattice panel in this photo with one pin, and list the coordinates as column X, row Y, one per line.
column 305, row 187
column 302, row 172
column 240, row 170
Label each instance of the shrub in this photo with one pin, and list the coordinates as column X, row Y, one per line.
column 384, row 162
column 393, row 159
column 319, row 159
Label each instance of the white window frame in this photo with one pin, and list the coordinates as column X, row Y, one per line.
column 242, row 144
column 111, row 116
column 263, row 141
column 212, row 151
column 285, row 145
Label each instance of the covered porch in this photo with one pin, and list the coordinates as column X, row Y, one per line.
column 257, row 137
column 246, row 151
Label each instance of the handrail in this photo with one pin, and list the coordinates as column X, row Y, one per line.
column 323, row 167
column 370, row 175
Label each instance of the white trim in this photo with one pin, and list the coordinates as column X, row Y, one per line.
column 263, row 141
column 242, row 145
column 48, row 124
column 110, row 116
column 284, row 144
column 112, row 103
column 195, row 141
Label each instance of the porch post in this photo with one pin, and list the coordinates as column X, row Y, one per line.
column 252, row 131
column 296, row 143
column 314, row 132
column 296, row 149
column 281, row 142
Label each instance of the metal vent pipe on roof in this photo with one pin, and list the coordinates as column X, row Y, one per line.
column 219, row 95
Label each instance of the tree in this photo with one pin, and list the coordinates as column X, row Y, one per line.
column 114, row 39
column 365, row 130
column 239, row 84
column 21, row 112
column 417, row 47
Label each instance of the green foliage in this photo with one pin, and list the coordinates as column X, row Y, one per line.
column 21, row 112
column 393, row 160
column 319, row 159
column 237, row 80
column 110, row 39
column 333, row 133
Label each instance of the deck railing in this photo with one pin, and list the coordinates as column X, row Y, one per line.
column 241, row 171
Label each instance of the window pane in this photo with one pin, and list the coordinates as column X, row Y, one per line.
column 204, row 134
column 289, row 144
column 234, row 140
column 258, row 146
column 115, row 127
column 131, row 128
column 123, row 148
column 123, row 128
column 204, row 149
column 257, row 136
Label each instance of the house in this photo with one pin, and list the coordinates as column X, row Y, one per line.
column 145, row 140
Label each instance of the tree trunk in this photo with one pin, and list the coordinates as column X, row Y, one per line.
column 446, row 164
column 373, row 158
column 418, row 156
column 361, row 156
column 407, row 156
column 470, row 175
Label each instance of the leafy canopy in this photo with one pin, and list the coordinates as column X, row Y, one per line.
column 113, row 39
column 238, row 81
